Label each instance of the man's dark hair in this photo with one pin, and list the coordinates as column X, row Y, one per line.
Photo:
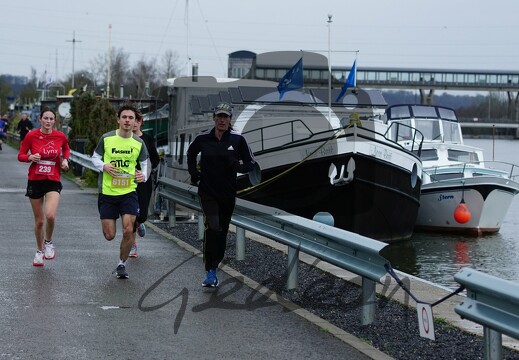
column 127, row 107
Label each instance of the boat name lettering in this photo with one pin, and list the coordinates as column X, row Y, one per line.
column 445, row 197
column 324, row 151
column 380, row 153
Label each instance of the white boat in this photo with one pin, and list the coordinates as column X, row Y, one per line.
column 312, row 158
column 461, row 192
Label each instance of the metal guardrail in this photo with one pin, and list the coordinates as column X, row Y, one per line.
column 493, row 303
column 11, row 136
column 82, row 160
column 347, row 250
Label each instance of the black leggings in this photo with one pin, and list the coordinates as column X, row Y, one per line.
column 144, row 191
column 217, row 217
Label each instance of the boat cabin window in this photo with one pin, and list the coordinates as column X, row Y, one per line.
column 451, row 132
column 465, row 156
column 403, row 130
column 399, row 112
column 449, row 176
column 424, row 111
column 177, row 147
column 181, row 151
column 447, row 114
column 429, row 154
column 430, row 128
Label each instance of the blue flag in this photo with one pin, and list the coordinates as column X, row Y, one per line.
column 350, row 81
column 292, row 80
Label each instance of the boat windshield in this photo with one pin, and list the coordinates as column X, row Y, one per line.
column 451, row 132
column 430, row 128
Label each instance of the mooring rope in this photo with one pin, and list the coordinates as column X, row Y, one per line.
column 391, row 272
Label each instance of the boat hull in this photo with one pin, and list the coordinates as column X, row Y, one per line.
column 487, row 199
column 366, row 205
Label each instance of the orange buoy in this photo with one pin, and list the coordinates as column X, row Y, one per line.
column 462, row 213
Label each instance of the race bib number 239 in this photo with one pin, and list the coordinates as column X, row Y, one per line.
column 44, row 167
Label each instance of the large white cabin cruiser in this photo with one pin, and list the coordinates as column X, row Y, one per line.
column 313, row 158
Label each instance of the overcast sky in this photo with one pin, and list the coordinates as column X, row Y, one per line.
column 439, row 34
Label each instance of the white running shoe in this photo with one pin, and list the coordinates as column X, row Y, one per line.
column 133, row 250
column 50, row 253
column 38, row 258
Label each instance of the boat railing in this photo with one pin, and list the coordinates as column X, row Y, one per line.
column 285, row 134
column 407, row 136
column 473, row 169
column 278, row 135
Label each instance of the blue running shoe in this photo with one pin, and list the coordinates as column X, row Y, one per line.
column 211, row 280
column 141, row 230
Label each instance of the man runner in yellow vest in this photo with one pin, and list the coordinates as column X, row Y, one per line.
column 116, row 157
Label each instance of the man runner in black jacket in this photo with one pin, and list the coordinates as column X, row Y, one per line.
column 221, row 149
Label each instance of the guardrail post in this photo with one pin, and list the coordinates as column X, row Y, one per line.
column 201, row 226
column 172, row 213
column 368, row 301
column 293, row 267
column 240, row 243
column 493, row 345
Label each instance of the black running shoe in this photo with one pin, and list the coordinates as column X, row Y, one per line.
column 121, row 272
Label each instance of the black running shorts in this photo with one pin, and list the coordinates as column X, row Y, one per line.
column 36, row 189
column 111, row 207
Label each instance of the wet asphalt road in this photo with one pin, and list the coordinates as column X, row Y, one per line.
column 75, row 308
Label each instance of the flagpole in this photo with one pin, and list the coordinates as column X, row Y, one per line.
column 329, row 69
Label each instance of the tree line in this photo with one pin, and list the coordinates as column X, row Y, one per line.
column 138, row 78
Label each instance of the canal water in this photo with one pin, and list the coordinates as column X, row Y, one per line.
column 437, row 257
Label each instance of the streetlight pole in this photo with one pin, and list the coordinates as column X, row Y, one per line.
column 329, row 69
column 109, row 60
column 73, row 41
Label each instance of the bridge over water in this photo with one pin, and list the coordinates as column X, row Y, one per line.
column 274, row 65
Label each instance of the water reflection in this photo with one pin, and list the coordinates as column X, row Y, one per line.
column 438, row 257
column 433, row 257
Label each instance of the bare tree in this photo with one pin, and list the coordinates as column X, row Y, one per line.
column 29, row 94
column 144, row 73
column 169, row 66
column 119, row 68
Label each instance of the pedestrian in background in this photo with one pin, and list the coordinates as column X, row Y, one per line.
column 116, row 157
column 24, row 126
column 145, row 189
column 3, row 128
column 221, row 149
column 47, row 150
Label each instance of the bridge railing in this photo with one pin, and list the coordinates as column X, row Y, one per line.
column 493, row 303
